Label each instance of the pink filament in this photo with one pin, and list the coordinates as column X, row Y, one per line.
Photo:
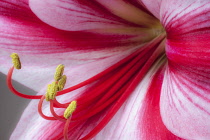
column 65, row 131
column 40, row 110
column 54, row 114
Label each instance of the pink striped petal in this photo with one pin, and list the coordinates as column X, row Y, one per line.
column 75, row 15
column 135, row 15
column 185, row 97
column 31, row 36
column 126, row 123
column 151, row 124
column 25, row 32
column 154, row 6
column 38, row 70
column 42, row 47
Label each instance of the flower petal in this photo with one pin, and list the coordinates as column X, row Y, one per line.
column 135, row 15
column 75, row 15
column 27, row 34
column 185, row 97
column 124, row 125
column 39, row 70
column 42, row 47
column 150, row 118
column 153, row 6
column 76, row 75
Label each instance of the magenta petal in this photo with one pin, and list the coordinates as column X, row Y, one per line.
column 154, row 6
column 21, row 31
column 185, row 97
column 151, row 125
column 125, row 124
column 185, row 105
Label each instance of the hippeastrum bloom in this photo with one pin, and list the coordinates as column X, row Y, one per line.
column 134, row 69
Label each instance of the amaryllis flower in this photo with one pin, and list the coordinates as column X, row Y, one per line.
column 136, row 69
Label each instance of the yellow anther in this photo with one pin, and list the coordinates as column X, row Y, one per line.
column 62, row 82
column 16, row 60
column 59, row 72
column 47, row 93
column 70, row 109
column 51, row 91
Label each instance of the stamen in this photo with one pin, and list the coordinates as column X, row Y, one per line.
column 40, row 110
column 16, row 60
column 59, row 72
column 59, row 105
column 70, row 109
column 62, row 82
column 60, row 118
column 51, row 91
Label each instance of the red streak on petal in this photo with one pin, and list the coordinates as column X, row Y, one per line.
column 115, row 85
column 151, row 120
column 110, row 90
column 140, row 75
column 112, row 68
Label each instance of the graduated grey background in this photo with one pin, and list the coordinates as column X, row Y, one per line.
column 11, row 107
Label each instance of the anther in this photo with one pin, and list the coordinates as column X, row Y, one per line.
column 59, row 72
column 70, row 109
column 16, row 60
column 62, row 82
column 47, row 97
column 51, row 91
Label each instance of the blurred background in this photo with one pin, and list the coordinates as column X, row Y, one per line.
column 11, row 107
